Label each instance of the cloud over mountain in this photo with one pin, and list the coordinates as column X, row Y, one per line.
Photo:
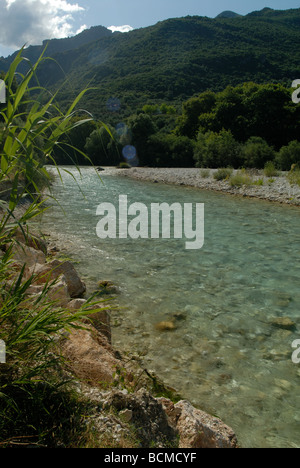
column 31, row 21
column 122, row 29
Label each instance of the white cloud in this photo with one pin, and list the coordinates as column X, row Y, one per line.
column 32, row 21
column 122, row 29
column 81, row 29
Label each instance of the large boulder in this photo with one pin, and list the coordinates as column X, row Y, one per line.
column 196, row 428
column 56, row 269
column 31, row 240
column 76, row 286
column 59, row 293
column 147, row 415
column 161, row 421
column 90, row 356
column 25, row 255
column 76, row 304
column 100, row 319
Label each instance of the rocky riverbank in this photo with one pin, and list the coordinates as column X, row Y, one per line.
column 131, row 407
column 256, row 183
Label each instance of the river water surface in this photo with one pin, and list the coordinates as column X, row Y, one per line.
column 225, row 356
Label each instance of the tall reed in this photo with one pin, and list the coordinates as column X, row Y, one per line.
column 32, row 125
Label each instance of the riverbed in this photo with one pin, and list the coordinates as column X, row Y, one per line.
column 259, row 186
column 228, row 352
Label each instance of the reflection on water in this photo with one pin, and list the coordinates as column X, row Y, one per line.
column 226, row 355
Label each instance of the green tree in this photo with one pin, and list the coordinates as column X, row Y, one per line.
column 247, row 110
column 102, row 147
column 158, row 154
column 188, row 122
column 181, row 150
column 142, row 127
column 271, row 114
column 151, row 109
column 229, row 112
column 170, row 151
column 169, row 110
column 216, row 150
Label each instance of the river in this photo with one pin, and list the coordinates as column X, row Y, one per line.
column 226, row 355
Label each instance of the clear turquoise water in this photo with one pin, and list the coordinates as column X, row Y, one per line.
column 225, row 356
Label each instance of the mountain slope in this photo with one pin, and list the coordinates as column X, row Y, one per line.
column 56, row 46
column 177, row 58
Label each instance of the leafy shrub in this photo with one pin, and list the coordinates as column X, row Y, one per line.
column 288, row 155
column 270, row 170
column 205, row 173
column 294, row 175
column 124, row 165
column 240, row 179
column 259, row 182
column 223, row 173
column 256, row 153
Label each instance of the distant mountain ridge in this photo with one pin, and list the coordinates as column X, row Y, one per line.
column 56, row 46
column 173, row 59
column 228, row 14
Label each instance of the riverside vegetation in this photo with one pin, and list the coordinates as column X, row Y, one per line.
column 62, row 384
column 36, row 405
column 250, row 126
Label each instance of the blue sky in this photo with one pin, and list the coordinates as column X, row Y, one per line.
column 32, row 21
column 141, row 13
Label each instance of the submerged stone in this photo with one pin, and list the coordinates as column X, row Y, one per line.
column 284, row 322
column 165, row 326
column 107, row 287
column 180, row 316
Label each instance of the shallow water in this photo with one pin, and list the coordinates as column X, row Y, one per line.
column 225, row 355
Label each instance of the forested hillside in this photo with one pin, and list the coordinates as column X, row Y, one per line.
column 185, row 91
column 178, row 58
column 174, row 59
